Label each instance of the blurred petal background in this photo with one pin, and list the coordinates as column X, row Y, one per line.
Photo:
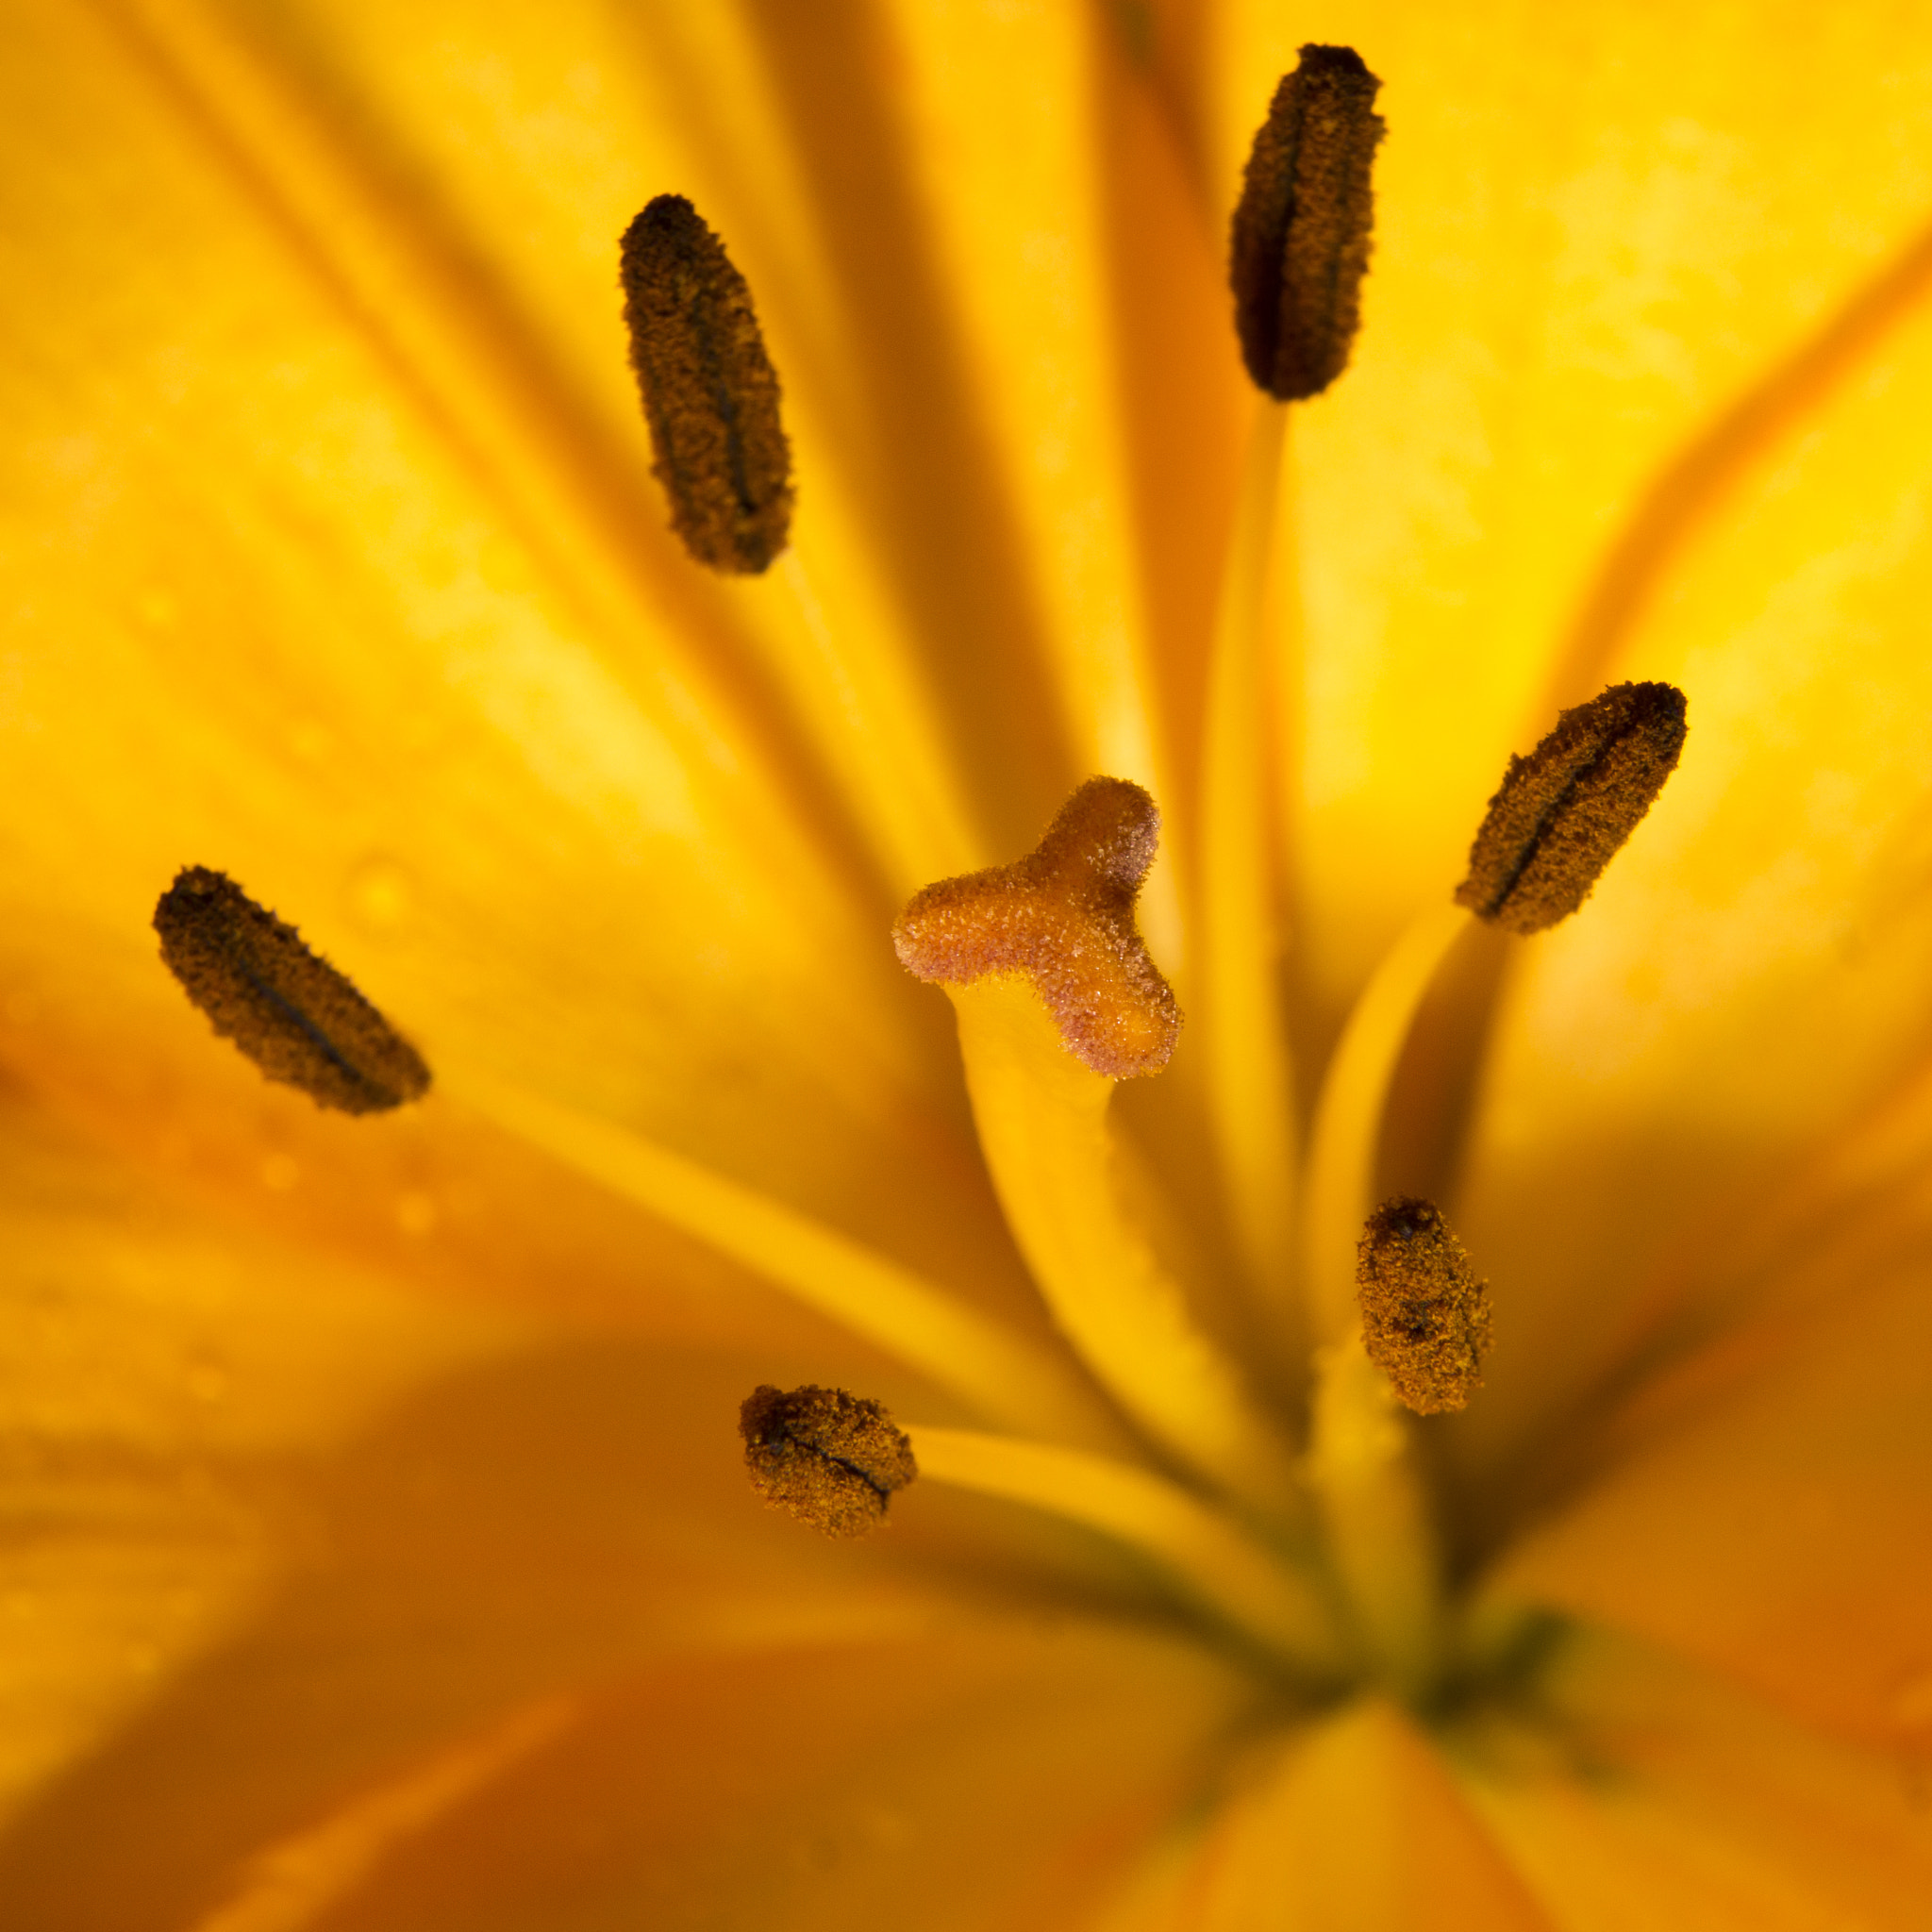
column 375, row 1552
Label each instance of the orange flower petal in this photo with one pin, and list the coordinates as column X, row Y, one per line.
column 1357, row 1823
column 1664, row 1797
column 1769, row 1511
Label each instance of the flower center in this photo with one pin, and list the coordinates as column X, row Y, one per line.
column 1277, row 1492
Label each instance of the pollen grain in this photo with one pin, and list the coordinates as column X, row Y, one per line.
column 1300, row 243
column 1564, row 812
column 829, row 1458
column 710, row 394
column 1425, row 1316
column 298, row 1018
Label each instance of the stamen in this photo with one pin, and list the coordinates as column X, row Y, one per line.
column 1425, row 1317
column 1376, row 1515
column 1210, row 1556
column 298, row 1018
column 1064, row 916
column 1564, row 810
column 1000, row 1374
column 1301, row 230
column 831, row 1459
column 1245, row 1054
column 858, row 693
column 1348, row 1115
column 710, row 394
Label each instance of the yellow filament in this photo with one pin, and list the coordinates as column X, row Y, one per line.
column 1372, row 1507
column 1367, row 1489
column 1042, row 1127
column 1249, row 1075
column 1348, row 1117
column 1194, row 1546
column 875, row 732
column 1002, row 1376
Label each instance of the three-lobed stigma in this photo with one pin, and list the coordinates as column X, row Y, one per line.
column 298, row 1018
column 709, row 392
column 829, row 1458
column 1564, row 812
column 1302, row 229
column 1064, row 916
column 1425, row 1316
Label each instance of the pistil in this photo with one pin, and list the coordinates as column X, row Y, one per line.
column 1056, row 999
column 1043, row 1121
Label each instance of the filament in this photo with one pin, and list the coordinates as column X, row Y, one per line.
column 1192, row 1544
column 874, row 732
column 997, row 1373
column 1348, row 1116
column 1250, row 1074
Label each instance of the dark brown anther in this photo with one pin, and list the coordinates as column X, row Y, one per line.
column 1565, row 809
column 291, row 1013
column 710, row 394
column 1425, row 1317
column 1063, row 915
column 831, row 1459
column 1302, row 229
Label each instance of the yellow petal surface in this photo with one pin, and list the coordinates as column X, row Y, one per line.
column 342, row 652
column 299, row 1563
column 1666, row 1798
column 1595, row 227
column 998, row 1778
column 158, row 1376
column 1770, row 1513
column 372, row 1599
column 1354, row 1827
column 1750, row 976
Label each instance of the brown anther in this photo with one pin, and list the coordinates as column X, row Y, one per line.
column 1565, row 809
column 1302, row 227
column 1063, row 915
column 292, row 1014
column 1425, row 1317
column 832, row 1460
column 710, row 394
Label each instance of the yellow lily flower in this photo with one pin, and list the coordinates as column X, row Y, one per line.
column 379, row 1551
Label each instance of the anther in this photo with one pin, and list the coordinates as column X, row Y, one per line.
column 1301, row 229
column 831, row 1459
column 292, row 1014
column 1425, row 1317
column 710, row 394
column 1565, row 809
column 1063, row 915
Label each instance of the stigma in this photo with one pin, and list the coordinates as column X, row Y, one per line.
column 1063, row 916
